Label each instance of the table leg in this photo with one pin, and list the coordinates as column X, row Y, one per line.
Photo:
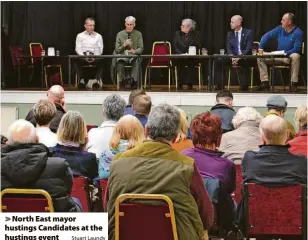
column 69, row 71
column 209, row 78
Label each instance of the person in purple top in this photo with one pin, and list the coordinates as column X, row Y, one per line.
column 289, row 38
column 206, row 136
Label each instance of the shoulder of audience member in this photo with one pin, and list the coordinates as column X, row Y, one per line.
column 58, row 161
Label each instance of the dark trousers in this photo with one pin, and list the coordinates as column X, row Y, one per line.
column 80, row 63
column 187, row 71
column 243, row 72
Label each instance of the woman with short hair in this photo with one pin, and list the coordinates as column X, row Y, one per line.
column 72, row 137
column 127, row 134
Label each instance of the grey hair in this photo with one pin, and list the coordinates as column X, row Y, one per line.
column 163, row 122
column 238, row 17
column 113, row 107
column 190, row 23
column 130, row 19
column 246, row 114
column 21, row 131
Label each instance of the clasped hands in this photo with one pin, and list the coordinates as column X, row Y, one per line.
column 127, row 43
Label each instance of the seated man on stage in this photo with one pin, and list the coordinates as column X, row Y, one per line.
column 183, row 39
column 89, row 43
column 289, row 38
column 239, row 42
column 129, row 42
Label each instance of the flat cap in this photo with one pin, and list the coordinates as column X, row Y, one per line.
column 277, row 102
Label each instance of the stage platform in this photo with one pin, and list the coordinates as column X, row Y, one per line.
column 158, row 94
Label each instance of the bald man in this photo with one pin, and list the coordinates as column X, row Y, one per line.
column 239, row 42
column 25, row 164
column 55, row 95
column 289, row 38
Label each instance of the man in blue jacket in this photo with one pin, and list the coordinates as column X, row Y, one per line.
column 239, row 42
column 289, row 38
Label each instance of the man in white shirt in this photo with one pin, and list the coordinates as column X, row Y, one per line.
column 44, row 111
column 89, row 42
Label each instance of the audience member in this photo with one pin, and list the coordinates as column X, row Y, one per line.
column 299, row 143
column 131, row 98
column 44, row 111
column 3, row 140
column 55, row 95
column 182, row 141
column 142, row 107
column 26, row 164
column 72, row 137
column 224, row 110
column 277, row 105
column 99, row 138
column 127, row 134
column 154, row 167
column 246, row 135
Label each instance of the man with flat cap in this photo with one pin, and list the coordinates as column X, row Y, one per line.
column 277, row 105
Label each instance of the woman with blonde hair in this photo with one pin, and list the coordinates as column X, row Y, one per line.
column 72, row 137
column 182, row 141
column 127, row 134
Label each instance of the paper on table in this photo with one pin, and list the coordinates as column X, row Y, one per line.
column 275, row 53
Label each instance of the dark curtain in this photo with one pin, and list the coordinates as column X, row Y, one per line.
column 56, row 24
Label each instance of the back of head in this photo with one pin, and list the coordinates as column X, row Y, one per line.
column 142, row 105
column 300, row 117
column 127, row 128
column 163, row 122
column 21, row 131
column 44, row 111
column 113, row 107
column 224, row 97
column 183, row 126
column 72, row 128
column 246, row 114
column 206, row 130
column 56, row 94
column 274, row 130
column 276, row 102
column 134, row 94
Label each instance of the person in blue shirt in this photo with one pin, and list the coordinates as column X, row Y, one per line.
column 132, row 96
column 289, row 37
column 142, row 107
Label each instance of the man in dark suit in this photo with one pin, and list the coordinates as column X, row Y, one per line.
column 239, row 42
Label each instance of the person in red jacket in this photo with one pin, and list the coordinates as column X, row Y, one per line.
column 299, row 143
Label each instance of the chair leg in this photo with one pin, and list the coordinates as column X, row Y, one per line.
column 229, row 78
column 176, row 77
column 76, row 80
column 61, row 78
column 45, row 73
column 281, row 78
column 169, row 76
column 251, row 77
column 145, row 78
column 199, row 75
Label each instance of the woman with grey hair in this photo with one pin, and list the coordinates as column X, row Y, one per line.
column 246, row 135
column 113, row 109
column 183, row 39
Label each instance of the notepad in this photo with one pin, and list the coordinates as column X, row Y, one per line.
column 275, row 53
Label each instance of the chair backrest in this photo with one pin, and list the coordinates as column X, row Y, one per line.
column 275, row 211
column 212, row 186
column 89, row 127
column 17, row 52
column 141, row 221
column 161, row 48
column 35, row 51
column 80, row 190
column 26, row 200
column 103, row 183
column 303, row 48
column 255, row 45
column 237, row 195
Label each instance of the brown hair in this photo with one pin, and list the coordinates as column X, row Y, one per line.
column 134, row 94
column 183, row 126
column 142, row 105
column 127, row 128
column 44, row 111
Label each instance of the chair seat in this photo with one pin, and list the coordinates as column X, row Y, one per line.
column 53, row 65
column 281, row 66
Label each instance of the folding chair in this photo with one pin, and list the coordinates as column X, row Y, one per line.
column 81, row 191
column 140, row 221
column 35, row 51
column 89, row 127
column 237, row 195
column 275, row 211
column 159, row 48
column 26, row 200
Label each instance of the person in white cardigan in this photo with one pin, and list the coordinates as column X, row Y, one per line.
column 99, row 138
column 246, row 135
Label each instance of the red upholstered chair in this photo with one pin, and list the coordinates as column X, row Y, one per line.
column 26, row 200
column 36, row 51
column 160, row 48
column 80, row 190
column 18, row 62
column 140, row 221
column 103, row 183
column 275, row 211
column 237, row 195
column 89, row 127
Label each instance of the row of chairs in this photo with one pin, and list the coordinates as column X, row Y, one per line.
column 270, row 211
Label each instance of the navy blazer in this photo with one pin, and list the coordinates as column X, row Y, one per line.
column 246, row 42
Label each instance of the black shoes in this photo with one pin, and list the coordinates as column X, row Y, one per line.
column 294, row 87
column 264, row 86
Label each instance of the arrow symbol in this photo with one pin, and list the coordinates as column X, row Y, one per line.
column 7, row 219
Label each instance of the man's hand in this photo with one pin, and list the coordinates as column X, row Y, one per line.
column 132, row 51
column 235, row 61
column 127, row 43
